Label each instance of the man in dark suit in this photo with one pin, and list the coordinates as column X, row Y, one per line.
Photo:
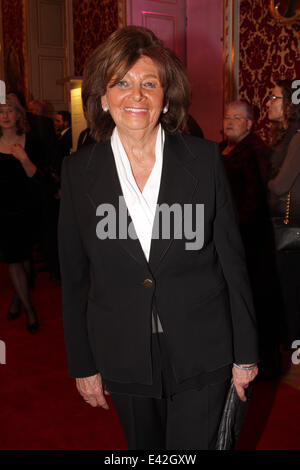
column 62, row 124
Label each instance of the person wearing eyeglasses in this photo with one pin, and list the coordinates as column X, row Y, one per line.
column 246, row 159
column 238, row 135
column 284, row 179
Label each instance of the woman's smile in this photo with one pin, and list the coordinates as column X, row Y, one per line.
column 136, row 110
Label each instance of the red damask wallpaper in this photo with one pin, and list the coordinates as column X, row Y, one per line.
column 94, row 21
column 13, row 14
column 268, row 51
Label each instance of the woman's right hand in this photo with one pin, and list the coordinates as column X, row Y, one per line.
column 19, row 153
column 91, row 390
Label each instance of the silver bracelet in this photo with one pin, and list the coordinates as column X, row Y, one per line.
column 244, row 367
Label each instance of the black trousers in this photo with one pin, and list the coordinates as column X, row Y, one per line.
column 171, row 415
column 188, row 420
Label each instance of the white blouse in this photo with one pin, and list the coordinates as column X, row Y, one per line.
column 141, row 205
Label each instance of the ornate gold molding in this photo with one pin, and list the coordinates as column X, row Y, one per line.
column 25, row 50
column 275, row 12
column 122, row 13
column 231, row 50
column 1, row 45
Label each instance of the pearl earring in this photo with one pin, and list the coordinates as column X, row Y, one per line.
column 165, row 110
column 105, row 108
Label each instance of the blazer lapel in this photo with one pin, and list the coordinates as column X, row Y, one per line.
column 178, row 185
column 103, row 187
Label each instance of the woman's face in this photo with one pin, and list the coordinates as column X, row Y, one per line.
column 275, row 104
column 8, row 117
column 236, row 124
column 135, row 102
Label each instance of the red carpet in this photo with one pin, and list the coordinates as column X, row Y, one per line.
column 40, row 407
column 273, row 420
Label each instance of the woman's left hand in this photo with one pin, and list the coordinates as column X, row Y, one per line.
column 18, row 152
column 242, row 378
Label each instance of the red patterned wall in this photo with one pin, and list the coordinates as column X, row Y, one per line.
column 94, row 21
column 13, row 14
column 268, row 51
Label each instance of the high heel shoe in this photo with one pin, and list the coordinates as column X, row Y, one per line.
column 13, row 316
column 34, row 326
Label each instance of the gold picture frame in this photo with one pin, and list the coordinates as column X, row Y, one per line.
column 285, row 11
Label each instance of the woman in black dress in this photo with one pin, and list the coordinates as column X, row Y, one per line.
column 19, row 197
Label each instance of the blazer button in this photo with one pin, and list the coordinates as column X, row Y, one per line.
column 148, row 283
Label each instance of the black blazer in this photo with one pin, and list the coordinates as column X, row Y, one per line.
column 85, row 138
column 202, row 297
column 65, row 142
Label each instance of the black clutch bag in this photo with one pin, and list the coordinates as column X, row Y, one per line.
column 233, row 418
column 286, row 230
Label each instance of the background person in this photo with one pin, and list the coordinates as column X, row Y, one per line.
column 20, row 180
column 85, row 137
column 37, row 107
column 241, row 152
column 40, row 128
column 155, row 324
column 285, row 178
column 192, row 127
column 246, row 158
column 62, row 124
column 41, row 131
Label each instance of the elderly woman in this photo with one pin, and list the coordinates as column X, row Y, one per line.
column 20, row 180
column 244, row 155
column 153, row 318
column 246, row 158
column 284, row 182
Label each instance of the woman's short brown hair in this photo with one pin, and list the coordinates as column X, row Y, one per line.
column 114, row 58
column 21, row 124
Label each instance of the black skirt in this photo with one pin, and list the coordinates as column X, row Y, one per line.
column 16, row 238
